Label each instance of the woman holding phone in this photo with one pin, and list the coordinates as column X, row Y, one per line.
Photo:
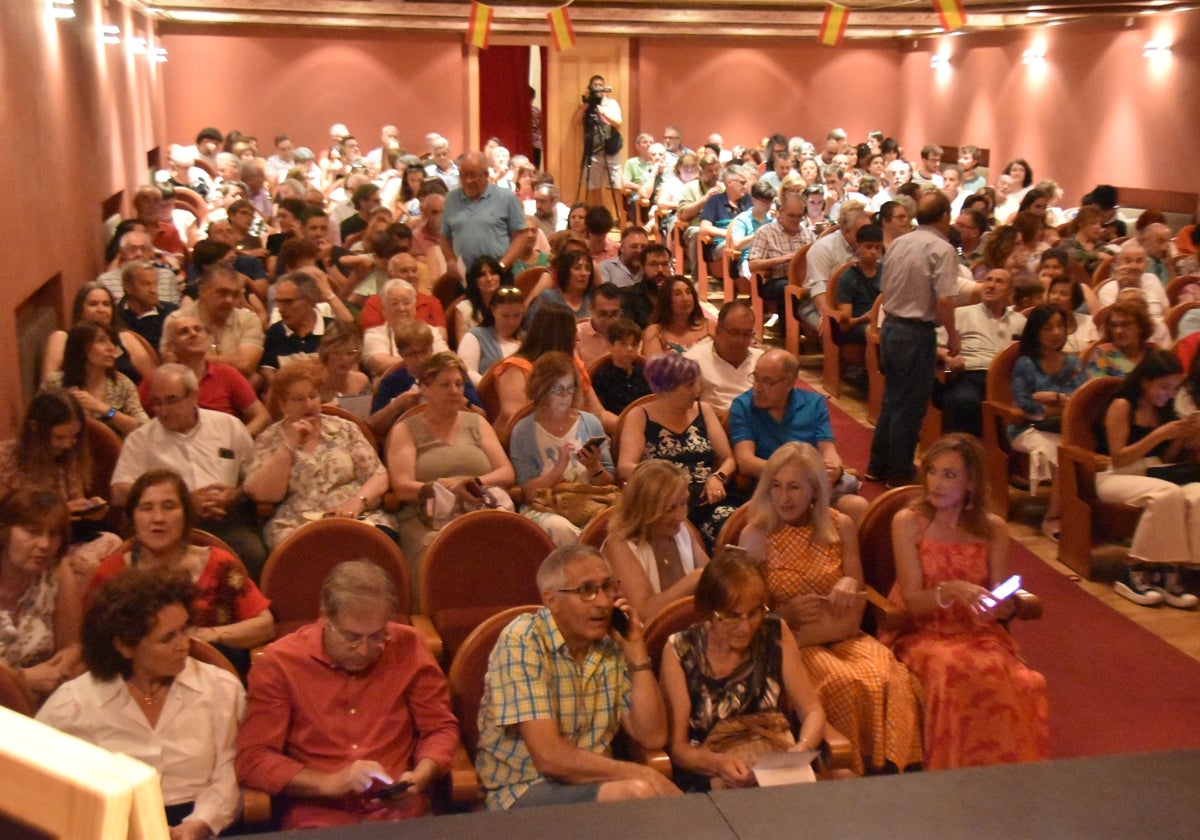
column 982, row 704
column 558, row 442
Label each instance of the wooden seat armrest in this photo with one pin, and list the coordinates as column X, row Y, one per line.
column 1010, row 415
column 423, row 624
column 1028, row 605
column 256, row 807
column 837, row 753
column 465, row 787
column 794, row 294
column 1085, row 458
column 256, row 653
column 887, row 616
column 654, row 759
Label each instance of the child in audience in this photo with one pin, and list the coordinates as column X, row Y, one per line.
column 620, row 380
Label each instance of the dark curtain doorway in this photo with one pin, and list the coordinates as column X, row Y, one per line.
column 504, row 105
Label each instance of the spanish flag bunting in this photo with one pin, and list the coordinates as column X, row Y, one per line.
column 833, row 24
column 479, row 25
column 951, row 14
column 561, row 32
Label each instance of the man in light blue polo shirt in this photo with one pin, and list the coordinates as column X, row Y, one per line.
column 774, row 412
column 480, row 218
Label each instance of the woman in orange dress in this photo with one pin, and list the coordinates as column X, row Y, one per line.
column 814, row 580
column 982, row 704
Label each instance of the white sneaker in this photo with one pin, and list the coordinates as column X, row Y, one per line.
column 1172, row 591
column 1134, row 587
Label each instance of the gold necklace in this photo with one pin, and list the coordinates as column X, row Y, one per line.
column 140, row 694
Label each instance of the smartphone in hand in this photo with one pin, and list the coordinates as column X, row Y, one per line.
column 620, row 621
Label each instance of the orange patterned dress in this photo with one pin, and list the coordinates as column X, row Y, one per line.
column 867, row 694
column 982, row 704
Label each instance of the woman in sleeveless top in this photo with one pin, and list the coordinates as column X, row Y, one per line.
column 678, row 321
column 814, row 580
column 983, row 705
column 678, row 427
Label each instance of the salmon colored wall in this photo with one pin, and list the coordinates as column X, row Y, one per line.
column 300, row 83
column 76, row 121
column 747, row 92
column 1098, row 112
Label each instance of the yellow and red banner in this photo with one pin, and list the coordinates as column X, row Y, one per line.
column 479, row 26
column 833, row 24
column 951, row 14
column 561, row 33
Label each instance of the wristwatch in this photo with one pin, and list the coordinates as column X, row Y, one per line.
column 111, row 413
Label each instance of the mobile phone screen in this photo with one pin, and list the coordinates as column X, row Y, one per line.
column 620, row 621
column 1007, row 588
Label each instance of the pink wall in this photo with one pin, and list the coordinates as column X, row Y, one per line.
column 78, row 119
column 299, row 83
column 1099, row 112
column 747, row 92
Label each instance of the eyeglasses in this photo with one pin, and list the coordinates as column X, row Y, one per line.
column 356, row 640
column 588, row 591
column 561, row 390
column 744, row 334
column 167, row 402
column 728, row 620
column 509, row 293
column 766, row 380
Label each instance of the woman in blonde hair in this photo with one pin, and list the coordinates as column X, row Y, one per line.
column 982, row 704
column 814, row 581
column 650, row 547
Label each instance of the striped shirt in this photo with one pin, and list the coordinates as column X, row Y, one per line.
column 532, row 676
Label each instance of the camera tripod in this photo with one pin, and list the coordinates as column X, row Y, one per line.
column 594, row 137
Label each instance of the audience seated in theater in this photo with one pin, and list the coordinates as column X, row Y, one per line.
column 135, row 246
column 221, row 387
column 972, row 227
column 334, row 260
column 549, row 446
column 894, row 220
column 774, row 412
column 250, row 267
column 287, row 217
column 446, row 444
column 681, row 171
column 364, row 199
column 726, row 363
column 746, row 224
column 638, row 300
column 297, row 335
column 1043, row 378
column 427, row 231
column 442, row 165
column 497, row 337
column 678, row 322
column 696, row 192
column 1142, row 434
column 143, row 696
column 1067, row 295
column 93, row 302
column 404, row 266
column 974, row 177
column 720, row 209
column 532, row 751
column 982, row 704
column 984, row 329
column 535, row 248
column 1125, row 339
column 738, row 661
column 339, row 353
column 809, row 556
column 311, row 464
column 775, row 243
column 148, row 209
column 236, row 332
column 405, row 199
column 825, row 255
column 1084, row 240
column 321, row 763
column 622, row 270
column 253, row 175
column 1129, row 272
column 927, row 170
column 621, row 380
column 574, row 276
column 52, row 451
column 606, row 307
column 857, row 289
column 551, row 214
column 209, row 449
column 676, row 426
column 650, row 546
column 228, row 610
column 398, row 299
column 398, row 390
column 39, row 602
column 553, row 328
column 89, row 373
column 485, row 277
column 1155, row 238
column 140, row 310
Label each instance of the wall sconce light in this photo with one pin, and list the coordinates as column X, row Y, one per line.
column 110, row 34
column 138, row 45
column 159, row 55
column 1034, row 56
column 939, row 61
column 1157, row 50
column 62, row 9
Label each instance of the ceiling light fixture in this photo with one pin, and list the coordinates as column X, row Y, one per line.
column 1035, row 56
column 1157, row 50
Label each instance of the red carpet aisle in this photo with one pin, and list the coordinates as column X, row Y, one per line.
column 1114, row 686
